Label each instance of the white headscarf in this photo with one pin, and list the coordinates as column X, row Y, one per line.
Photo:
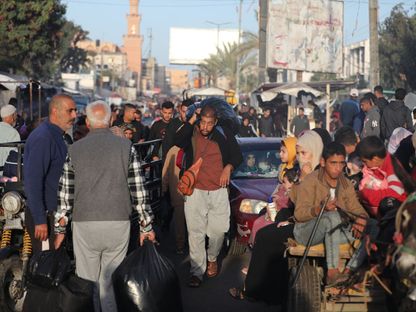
column 312, row 142
column 396, row 137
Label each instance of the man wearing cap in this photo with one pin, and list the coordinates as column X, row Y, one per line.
column 349, row 109
column 7, row 132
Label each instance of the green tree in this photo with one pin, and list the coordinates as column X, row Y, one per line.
column 397, row 49
column 31, row 33
column 72, row 58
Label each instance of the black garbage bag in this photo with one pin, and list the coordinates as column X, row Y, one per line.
column 147, row 282
column 226, row 115
column 49, row 268
column 74, row 294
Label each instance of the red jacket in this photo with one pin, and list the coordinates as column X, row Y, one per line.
column 373, row 195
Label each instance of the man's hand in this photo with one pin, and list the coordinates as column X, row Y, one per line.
column 331, row 205
column 59, row 238
column 155, row 158
column 148, row 235
column 305, row 170
column 225, row 176
column 41, row 232
column 358, row 227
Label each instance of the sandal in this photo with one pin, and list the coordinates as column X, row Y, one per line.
column 236, row 293
column 244, row 270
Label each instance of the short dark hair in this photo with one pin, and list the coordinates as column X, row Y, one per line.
column 167, row 105
column 414, row 111
column 378, row 89
column 332, row 149
column 208, row 111
column 400, row 94
column 292, row 175
column 370, row 97
column 371, row 147
column 345, row 136
column 187, row 102
column 301, row 109
column 130, row 106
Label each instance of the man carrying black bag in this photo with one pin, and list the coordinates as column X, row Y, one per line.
column 101, row 199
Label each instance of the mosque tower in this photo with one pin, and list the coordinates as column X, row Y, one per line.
column 133, row 41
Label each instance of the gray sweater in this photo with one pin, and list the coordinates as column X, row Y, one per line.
column 100, row 162
column 371, row 123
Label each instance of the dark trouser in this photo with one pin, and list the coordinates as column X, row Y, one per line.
column 268, row 277
column 30, row 226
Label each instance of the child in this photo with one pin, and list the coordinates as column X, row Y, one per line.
column 354, row 170
column 280, row 200
column 287, row 156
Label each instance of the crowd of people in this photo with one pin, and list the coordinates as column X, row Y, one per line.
column 70, row 173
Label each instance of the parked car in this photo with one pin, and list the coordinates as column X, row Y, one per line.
column 252, row 183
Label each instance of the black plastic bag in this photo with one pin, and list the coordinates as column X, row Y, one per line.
column 75, row 294
column 147, row 282
column 49, row 268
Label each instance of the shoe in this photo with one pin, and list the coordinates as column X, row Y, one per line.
column 194, row 281
column 337, row 279
column 236, row 293
column 212, row 269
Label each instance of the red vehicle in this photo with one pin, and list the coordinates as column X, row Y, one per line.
column 252, row 183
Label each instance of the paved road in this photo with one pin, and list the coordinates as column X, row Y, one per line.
column 213, row 295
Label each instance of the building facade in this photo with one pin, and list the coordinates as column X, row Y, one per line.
column 357, row 60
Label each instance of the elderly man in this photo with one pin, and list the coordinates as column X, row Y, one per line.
column 101, row 201
column 44, row 157
column 207, row 210
column 7, row 132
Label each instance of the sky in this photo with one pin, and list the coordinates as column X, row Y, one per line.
column 106, row 19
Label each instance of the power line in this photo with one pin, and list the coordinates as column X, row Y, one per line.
column 208, row 3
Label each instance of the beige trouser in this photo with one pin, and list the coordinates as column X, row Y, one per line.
column 207, row 213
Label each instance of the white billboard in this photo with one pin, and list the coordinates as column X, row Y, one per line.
column 305, row 35
column 190, row 46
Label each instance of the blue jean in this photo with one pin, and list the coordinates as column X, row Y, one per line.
column 330, row 220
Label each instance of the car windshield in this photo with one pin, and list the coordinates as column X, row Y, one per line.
column 258, row 164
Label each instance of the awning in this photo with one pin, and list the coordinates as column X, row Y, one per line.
column 292, row 89
column 210, row 91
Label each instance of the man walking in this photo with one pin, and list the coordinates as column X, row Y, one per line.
column 158, row 130
column 266, row 124
column 44, row 157
column 7, row 132
column 381, row 101
column 300, row 123
column 372, row 117
column 129, row 118
column 101, row 202
column 207, row 210
column 350, row 109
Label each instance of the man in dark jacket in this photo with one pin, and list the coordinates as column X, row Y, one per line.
column 158, row 130
column 396, row 114
column 266, row 124
column 129, row 118
column 350, row 109
column 299, row 123
column 207, row 210
column 381, row 101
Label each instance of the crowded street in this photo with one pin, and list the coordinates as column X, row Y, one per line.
column 200, row 156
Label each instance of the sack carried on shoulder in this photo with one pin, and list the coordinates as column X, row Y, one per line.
column 187, row 182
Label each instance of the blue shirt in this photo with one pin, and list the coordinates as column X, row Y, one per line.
column 44, row 157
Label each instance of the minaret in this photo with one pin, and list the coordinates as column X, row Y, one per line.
column 133, row 41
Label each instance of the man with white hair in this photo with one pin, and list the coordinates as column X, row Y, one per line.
column 100, row 200
column 7, row 132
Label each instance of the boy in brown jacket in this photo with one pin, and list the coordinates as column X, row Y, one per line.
column 329, row 181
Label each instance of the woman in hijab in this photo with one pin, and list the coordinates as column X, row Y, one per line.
column 287, row 156
column 268, row 276
column 396, row 137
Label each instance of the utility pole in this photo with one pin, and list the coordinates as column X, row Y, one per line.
column 374, row 59
column 237, row 79
column 263, row 40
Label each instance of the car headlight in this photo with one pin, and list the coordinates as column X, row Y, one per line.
column 12, row 203
column 252, row 205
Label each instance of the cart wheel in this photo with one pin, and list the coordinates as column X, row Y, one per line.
column 11, row 288
column 237, row 248
column 305, row 296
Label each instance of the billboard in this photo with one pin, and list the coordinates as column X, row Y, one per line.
column 190, row 46
column 305, row 35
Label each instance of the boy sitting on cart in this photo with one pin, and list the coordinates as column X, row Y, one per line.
column 329, row 185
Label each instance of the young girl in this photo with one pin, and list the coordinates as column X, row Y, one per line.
column 287, row 156
column 280, row 200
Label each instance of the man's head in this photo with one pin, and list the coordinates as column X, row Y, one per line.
column 138, row 115
column 301, row 111
column 246, row 121
column 378, row 91
column 400, row 94
column 208, row 120
column 372, row 152
column 183, row 108
column 333, row 160
column 129, row 112
column 62, row 111
column 347, row 137
column 367, row 102
column 8, row 114
column 167, row 111
column 252, row 111
column 266, row 112
column 98, row 115
column 354, row 93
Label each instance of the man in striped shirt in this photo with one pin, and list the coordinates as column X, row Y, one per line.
column 379, row 178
